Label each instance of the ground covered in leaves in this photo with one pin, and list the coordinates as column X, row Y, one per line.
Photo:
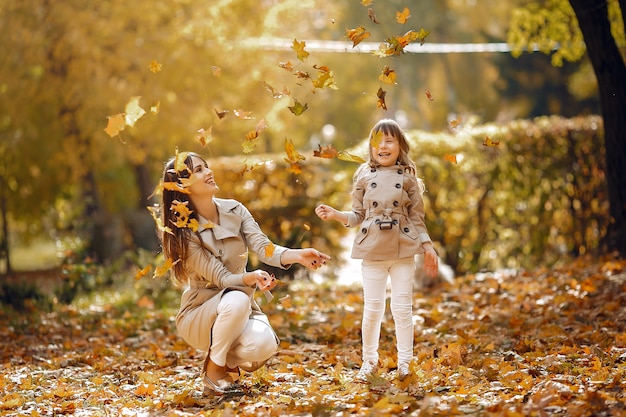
column 547, row 342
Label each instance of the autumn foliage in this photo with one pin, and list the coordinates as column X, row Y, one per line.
column 542, row 342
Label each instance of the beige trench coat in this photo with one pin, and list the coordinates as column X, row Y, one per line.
column 388, row 207
column 219, row 263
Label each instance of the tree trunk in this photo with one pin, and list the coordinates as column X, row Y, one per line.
column 610, row 71
column 4, row 236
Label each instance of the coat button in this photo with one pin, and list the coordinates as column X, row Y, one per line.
column 398, row 185
column 373, row 185
column 373, row 170
column 406, row 230
column 395, row 204
column 221, row 252
column 364, row 230
column 375, row 204
column 400, row 171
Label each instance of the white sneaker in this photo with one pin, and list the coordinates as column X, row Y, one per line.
column 367, row 369
column 403, row 371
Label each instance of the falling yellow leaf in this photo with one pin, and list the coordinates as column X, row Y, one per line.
column 155, row 107
column 299, row 48
column 489, row 142
column 376, row 138
column 345, row 156
column 143, row 272
column 155, row 66
column 217, row 71
column 403, row 16
column 133, row 111
column 269, row 250
column 162, row 269
column 388, row 75
column 204, row 137
column 357, row 35
column 455, row 123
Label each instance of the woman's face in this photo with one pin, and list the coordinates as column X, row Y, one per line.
column 202, row 180
column 387, row 152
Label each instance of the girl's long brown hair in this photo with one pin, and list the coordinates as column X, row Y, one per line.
column 175, row 244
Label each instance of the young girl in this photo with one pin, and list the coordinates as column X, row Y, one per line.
column 387, row 206
column 209, row 242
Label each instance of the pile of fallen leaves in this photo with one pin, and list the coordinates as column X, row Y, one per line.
column 547, row 342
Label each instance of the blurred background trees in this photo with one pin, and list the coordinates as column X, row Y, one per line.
column 67, row 67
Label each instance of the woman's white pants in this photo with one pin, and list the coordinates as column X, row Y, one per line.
column 239, row 339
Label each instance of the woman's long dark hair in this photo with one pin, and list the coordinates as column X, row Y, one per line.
column 175, row 244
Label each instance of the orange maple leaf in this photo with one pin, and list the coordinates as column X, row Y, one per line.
column 292, row 154
column 381, row 98
column 388, row 75
column 115, row 125
column 325, row 152
column 286, row 66
column 403, row 16
column 299, row 48
column 489, row 142
column 455, row 123
column 450, row 158
column 357, row 35
column 325, row 79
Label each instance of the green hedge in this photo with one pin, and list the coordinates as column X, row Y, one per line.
column 536, row 198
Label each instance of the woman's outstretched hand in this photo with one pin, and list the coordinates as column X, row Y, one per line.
column 309, row 257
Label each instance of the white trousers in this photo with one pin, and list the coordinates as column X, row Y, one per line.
column 375, row 275
column 239, row 339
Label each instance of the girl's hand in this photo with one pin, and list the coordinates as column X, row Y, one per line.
column 431, row 262
column 325, row 212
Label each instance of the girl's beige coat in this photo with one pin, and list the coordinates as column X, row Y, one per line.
column 388, row 208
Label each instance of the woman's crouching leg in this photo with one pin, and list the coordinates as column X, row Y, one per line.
column 255, row 346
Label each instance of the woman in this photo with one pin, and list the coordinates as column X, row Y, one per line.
column 209, row 242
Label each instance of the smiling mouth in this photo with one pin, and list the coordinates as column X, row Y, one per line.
column 384, row 154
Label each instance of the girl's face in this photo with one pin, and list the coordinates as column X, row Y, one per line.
column 387, row 152
column 202, row 180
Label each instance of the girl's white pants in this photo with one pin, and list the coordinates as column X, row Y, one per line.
column 375, row 275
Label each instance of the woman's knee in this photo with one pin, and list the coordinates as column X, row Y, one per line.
column 235, row 303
